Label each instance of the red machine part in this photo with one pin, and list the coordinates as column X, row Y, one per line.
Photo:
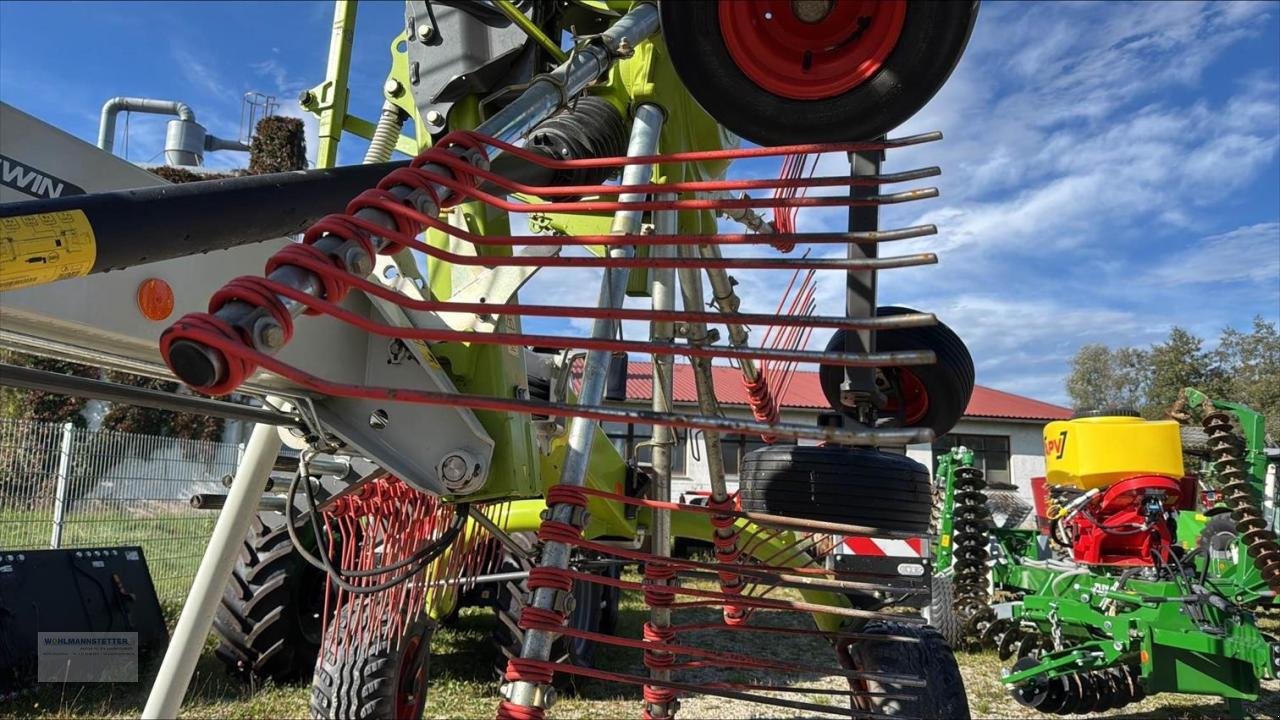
column 1128, row 524
column 815, row 53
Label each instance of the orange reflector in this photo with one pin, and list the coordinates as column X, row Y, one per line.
column 1145, row 656
column 155, row 299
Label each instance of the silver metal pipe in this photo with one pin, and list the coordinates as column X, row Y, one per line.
column 117, row 105
column 645, row 130
column 662, row 293
column 217, row 143
column 211, row 577
column 551, row 91
column 727, row 302
column 543, row 97
column 691, row 293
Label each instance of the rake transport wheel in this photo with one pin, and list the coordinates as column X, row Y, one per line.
column 941, row 614
column 595, row 608
column 778, row 72
column 933, row 396
column 930, row 660
column 855, row 486
column 268, row 621
column 373, row 678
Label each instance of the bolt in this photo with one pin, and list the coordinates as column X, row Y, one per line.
column 393, row 88
column 454, row 469
column 379, row 419
column 549, row 697
column 306, row 98
column 358, row 261
column 267, row 334
column 435, row 119
column 425, row 32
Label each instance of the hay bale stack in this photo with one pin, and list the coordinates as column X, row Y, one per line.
column 279, row 145
column 182, row 175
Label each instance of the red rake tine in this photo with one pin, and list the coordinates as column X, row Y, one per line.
column 886, row 359
column 489, row 261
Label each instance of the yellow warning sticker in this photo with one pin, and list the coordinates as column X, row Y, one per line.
column 43, row 248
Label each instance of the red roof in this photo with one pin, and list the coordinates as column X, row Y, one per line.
column 805, row 392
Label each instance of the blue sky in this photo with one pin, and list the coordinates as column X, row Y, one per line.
column 1109, row 170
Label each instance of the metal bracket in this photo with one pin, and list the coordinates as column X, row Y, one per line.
column 411, row 441
column 452, row 53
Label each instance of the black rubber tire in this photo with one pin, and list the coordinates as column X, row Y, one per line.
column 1195, row 441
column 1219, row 524
column 595, row 609
column 931, row 660
column 941, row 612
column 363, row 683
column 855, row 486
column 267, row 622
column 1119, row 411
column 948, row 382
column 933, row 38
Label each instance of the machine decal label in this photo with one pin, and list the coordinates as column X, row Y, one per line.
column 1056, row 447
column 34, row 182
column 42, row 248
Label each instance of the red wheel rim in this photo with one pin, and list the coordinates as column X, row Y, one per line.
column 810, row 49
column 410, row 695
column 912, row 398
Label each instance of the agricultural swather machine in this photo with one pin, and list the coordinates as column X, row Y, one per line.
column 479, row 445
column 1149, row 575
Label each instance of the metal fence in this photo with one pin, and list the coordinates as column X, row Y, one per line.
column 62, row 486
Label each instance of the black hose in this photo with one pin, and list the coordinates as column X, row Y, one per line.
column 419, row 559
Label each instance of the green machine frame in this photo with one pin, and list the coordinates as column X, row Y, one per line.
column 1172, row 640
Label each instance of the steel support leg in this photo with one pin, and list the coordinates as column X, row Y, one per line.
column 644, row 141
column 858, row 392
column 211, row 578
column 662, row 291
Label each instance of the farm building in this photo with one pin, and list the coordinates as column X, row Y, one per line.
column 1003, row 429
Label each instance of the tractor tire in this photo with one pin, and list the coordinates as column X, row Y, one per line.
column 931, row 660
column 854, row 486
column 1195, row 441
column 383, row 680
column 936, row 395
column 1218, row 533
column 941, row 614
column 595, row 609
column 268, row 621
column 760, row 105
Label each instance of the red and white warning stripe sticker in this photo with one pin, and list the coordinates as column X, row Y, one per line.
column 881, row 547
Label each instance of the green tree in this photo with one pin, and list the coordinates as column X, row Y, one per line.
column 1102, row 378
column 38, row 404
column 1250, row 365
column 149, row 421
column 1179, row 362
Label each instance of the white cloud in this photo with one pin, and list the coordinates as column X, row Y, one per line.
column 1246, row 254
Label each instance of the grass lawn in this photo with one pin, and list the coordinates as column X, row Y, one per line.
column 464, row 684
column 173, row 541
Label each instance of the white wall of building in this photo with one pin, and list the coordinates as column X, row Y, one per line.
column 1026, row 450
column 1026, row 447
